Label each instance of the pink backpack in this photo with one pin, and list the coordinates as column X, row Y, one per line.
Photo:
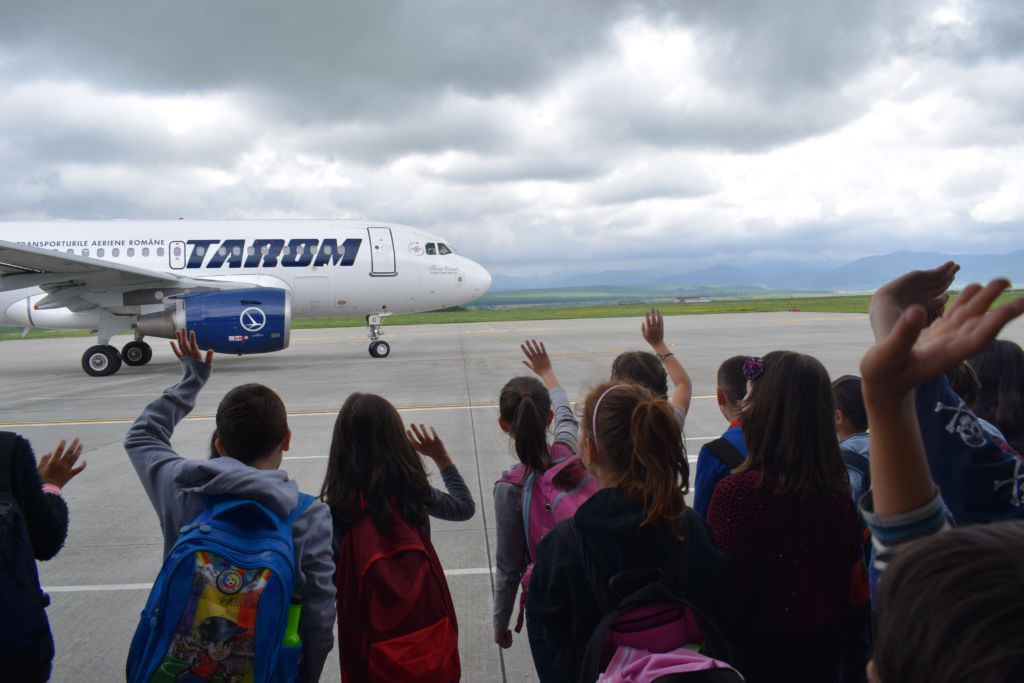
column 545, row 504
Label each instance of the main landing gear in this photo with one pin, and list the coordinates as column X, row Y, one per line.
column 375, row 326
column 103, row 360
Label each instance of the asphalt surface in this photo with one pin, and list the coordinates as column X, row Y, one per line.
column 448, row 376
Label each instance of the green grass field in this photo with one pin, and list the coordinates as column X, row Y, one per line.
column 811, row 304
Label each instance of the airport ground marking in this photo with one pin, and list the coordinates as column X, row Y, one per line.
column 423, row 408
column 112, row 587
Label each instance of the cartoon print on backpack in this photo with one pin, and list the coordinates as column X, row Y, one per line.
column 217, row 638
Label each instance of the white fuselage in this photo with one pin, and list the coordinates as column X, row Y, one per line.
column 331, row 267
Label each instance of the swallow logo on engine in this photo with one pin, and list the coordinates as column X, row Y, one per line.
column 253, row 319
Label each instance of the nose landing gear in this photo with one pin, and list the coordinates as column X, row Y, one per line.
column 375, row 328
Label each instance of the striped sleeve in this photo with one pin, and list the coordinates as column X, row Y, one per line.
column 889, row 533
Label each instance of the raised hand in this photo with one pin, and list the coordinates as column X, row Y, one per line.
column 58, row 467
column 653, row 328
column 187, row 347
column 428, row 443
column 914, row 352
column 927, row 288
column 537, row 359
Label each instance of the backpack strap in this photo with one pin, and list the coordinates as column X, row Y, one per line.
column 725, row 452
column 858, row 462
column 7, row 441
column 305, row 500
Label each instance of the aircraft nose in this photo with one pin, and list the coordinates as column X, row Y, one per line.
column 479, row 278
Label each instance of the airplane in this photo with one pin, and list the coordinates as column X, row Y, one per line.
column 237, row 284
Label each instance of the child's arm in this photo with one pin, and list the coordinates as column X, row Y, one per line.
column 653, row 329
column 906, row 355
column 566, row 425
column 313, row 538
column 510, row 557
column 457, row 504
column 148, row 441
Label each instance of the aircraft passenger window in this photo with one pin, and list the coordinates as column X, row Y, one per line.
column 145, row 251
column 249, row 251
column 100, row 252
column 222, row 252
column 201, row 250
column 286, row 250
column 236, row 251
column 115, row 252
column 265, row 249
column 70, row 251
column 159, row 251
column 131, row 251
column 85, row 252
column 328, row 249
column 443, row 249
column 431, row 249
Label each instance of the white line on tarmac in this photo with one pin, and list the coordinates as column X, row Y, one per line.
column 300, row 413
column 108, row 587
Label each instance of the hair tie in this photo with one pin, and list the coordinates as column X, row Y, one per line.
column 753, row 368
column 525, row 394
column 597, row 406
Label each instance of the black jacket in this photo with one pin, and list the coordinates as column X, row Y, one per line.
column 607, row 529
column 46, row 515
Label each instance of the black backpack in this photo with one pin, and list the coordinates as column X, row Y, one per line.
column 24, row 630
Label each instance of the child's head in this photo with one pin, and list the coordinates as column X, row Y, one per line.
column 1000, row 369
column 630, row 438
column 732, row 386
column 372, row 465
column 951, row 608
column 524, row 410
column 789, row 427
column 252, row 426
column 643, row 368
column 851, row 415
column 964, row 381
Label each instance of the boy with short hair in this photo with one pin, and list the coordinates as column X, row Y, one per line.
column 717, row 459
column 852, row 432
column 251, row 438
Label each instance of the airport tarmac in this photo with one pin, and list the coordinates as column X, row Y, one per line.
column 448, row 376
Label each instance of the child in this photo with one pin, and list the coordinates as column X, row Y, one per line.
column 720, row 457
column 1000, row 400
column 637, row 522
column 525, row 411
column 252, row 436
column 376, row 486
column 852, row 432
column 786, row 520
column 949, row 606
column 652, row 371
column 33, row 526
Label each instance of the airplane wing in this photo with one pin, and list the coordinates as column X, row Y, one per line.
column 82, row 283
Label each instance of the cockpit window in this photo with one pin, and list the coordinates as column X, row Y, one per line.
column 431, row 249
column 443, row 249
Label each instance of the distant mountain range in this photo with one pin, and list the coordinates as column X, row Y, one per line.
column 864, row 274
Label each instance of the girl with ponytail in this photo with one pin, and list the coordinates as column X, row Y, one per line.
column 637, row 522
column 526, row 408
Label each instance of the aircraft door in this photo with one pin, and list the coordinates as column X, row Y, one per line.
column 382, row 252
column 176, row 255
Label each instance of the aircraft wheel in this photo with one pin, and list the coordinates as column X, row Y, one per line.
column 380, row 349
column 101, row 360
column 136, row 353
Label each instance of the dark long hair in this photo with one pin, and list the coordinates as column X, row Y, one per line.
column 524, row 405
column 790, row 429
column 637, row 437
column 1000, row 369
column 372, row 466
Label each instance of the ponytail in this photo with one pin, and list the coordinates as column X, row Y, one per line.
column 524, row 405
column 658, row 471
column 636, row 437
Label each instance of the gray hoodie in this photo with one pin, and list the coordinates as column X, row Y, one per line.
column 176, row 487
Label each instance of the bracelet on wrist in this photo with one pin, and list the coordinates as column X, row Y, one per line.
column 663, row 356
column 49, row 487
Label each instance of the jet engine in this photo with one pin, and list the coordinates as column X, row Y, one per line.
column 238, row 321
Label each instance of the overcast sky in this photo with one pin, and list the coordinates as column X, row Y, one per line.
column 536, row 136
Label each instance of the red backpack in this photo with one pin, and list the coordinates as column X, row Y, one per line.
column 545, row 504
column 396, row 620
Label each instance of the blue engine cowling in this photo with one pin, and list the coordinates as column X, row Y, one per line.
column 239, row 321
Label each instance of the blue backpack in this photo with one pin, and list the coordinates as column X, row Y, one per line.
column 219, row 606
